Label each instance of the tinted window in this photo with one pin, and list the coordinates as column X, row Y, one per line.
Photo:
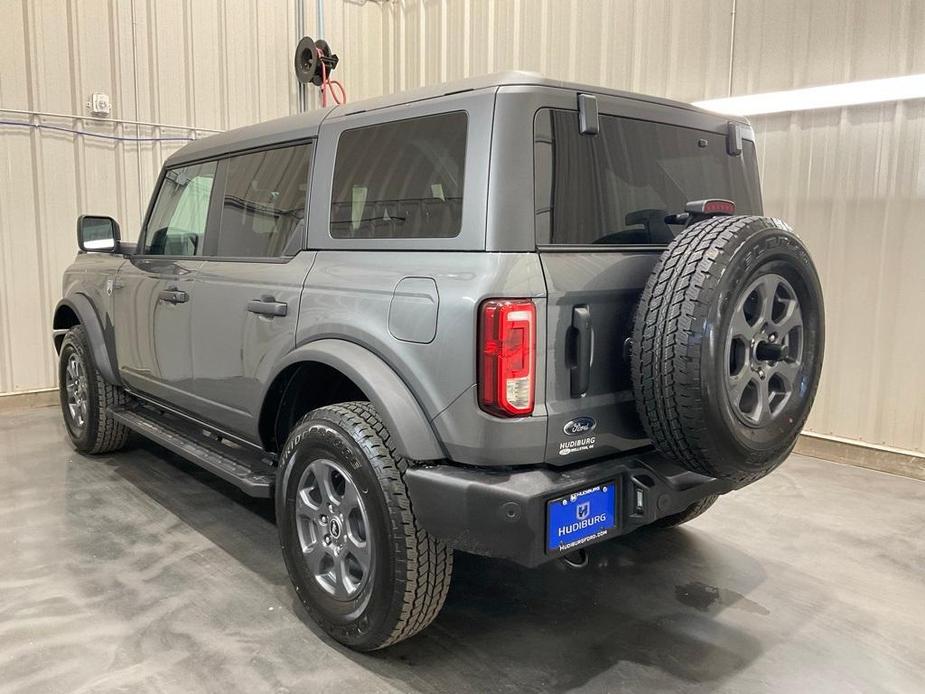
column 619, row 185
column 400, row 180
column 178, row 220
column 263, row 204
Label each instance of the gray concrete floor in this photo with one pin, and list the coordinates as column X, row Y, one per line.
column 140, row 573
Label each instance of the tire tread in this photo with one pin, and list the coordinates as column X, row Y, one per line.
column 107, row 435
column 424, row 568
column 666, row 355
column 698, row 508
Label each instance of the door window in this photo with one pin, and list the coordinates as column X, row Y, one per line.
column 263, row 204
column 178, row 220
column 400, row 180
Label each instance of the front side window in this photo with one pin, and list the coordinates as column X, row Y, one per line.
column 178, row 221
column 263, row 203
column 618, row 186
column 400, row 180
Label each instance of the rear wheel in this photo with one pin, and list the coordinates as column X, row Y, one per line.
column 727, row 347
column 690, row 513
column 367, row 573
column 86, row 397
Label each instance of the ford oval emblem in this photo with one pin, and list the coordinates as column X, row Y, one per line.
column 579, row 425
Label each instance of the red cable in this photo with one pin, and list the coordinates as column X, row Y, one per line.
column 343, row 92
column 329, row 84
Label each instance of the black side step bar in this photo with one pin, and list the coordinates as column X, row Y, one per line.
column 247, row 470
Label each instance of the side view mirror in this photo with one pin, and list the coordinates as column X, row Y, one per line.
column 97, row 234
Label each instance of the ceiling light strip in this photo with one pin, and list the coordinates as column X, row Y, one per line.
column 813, row 98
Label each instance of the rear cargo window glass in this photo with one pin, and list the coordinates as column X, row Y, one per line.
column 618, row 186
column 178, row 220
column 263, row 204
column 400, row 180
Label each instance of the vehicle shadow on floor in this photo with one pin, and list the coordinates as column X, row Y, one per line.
column 241, row 525
column 649, row 599
column 647, row 605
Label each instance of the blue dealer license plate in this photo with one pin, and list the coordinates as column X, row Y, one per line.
column 580, row 517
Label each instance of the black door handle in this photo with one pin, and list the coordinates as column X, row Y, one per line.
column 581, row 350
column 267, row 306
column 173, row 296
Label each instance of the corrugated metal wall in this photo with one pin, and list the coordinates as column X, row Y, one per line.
column 206, row 65
column 638, row 45
column 853, row 183
column 849, row 180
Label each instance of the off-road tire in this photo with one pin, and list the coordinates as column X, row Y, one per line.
column 411, row 571
column 99, row 433
column 679, row 353
column 690, row 513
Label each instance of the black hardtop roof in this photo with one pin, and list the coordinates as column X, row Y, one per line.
column 305, row 125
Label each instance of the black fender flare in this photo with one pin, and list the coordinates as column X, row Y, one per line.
column 400, row 411
column 86, row 313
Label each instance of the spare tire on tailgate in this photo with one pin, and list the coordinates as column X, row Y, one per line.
column 727, row 346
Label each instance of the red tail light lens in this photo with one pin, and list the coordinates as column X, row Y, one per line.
column 507, row 357
column 720, row 206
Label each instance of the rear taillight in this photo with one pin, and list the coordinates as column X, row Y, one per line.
column 507, row 357
column 711, row 206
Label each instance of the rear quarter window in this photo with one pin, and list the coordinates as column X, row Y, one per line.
column 400, row 180
column 617, row 187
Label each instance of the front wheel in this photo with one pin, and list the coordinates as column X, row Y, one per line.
column 365, row 570
column 86, row 398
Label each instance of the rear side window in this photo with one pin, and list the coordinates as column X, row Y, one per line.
column 400, row 180
column 178, row 219
column 618, row 186
column 263, row 203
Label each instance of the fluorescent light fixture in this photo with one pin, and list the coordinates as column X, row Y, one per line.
column 829, row 96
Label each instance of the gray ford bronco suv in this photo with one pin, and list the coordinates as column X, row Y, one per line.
column 509, row 316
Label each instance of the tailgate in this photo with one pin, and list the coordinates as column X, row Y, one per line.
column 589, row 394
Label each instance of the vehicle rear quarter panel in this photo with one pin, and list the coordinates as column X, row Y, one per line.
column 348, row 295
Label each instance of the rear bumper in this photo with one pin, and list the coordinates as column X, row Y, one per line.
column 503, row 513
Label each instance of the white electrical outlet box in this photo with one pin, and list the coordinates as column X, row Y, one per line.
column 99, row 104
